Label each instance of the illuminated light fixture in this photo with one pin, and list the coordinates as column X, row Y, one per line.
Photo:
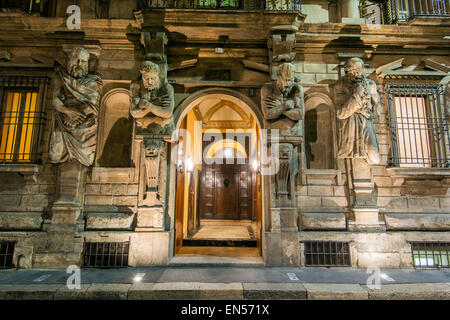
column 189, row 165
column 138, row 277
column 228, row 153
column 255, row 165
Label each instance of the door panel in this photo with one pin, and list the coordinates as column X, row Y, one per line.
column 226, row 195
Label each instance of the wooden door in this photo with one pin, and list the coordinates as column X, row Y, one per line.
column 226, row 192
column 226, row 197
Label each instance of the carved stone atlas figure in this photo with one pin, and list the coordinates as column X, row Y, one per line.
column 152, row 105
column 75, row 103
column 282, row 102
column 356, row 98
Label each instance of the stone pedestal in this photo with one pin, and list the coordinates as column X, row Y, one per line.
column 150, row 219
column 284, row 220
column 282, row 249
column 282, row 243
column 64, row 244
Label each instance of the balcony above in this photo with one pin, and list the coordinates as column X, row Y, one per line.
column 266, row 5
column 421, row 11
column 241, row 20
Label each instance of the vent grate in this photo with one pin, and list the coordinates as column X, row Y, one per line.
column 106, row 254
column 327, row 254
column 6, row 254
column 428, row 254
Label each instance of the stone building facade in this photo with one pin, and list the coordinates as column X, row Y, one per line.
column 141, row 187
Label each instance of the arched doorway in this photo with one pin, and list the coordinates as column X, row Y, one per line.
column 218, row 203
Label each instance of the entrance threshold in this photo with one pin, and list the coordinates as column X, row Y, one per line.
column 214, row 261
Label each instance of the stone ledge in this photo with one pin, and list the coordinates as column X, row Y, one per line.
column 323, row 221
column 20, row 220
column 333, row 291
column 434, row 222
column 422, row 291
column 109, row 220
column 417, row 172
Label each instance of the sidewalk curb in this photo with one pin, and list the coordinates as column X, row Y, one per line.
column 226, row 291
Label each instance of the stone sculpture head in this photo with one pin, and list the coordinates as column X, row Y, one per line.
column 78, row 64
column 354, row 68
column 150, row 75
column 285, row 76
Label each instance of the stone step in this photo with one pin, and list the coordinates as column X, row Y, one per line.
column 211, row 261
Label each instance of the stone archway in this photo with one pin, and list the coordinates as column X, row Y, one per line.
column 235, row 102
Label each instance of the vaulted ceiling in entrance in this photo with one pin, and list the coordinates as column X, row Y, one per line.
column 222, row 114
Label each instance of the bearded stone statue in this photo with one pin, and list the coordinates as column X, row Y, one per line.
column 356, row 97
column 75, row 102
column 282, row 102
column 152, row 105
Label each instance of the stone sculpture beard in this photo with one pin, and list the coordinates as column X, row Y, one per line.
column 284, row 85
column 151, row 83
column 359, row 86
column 77, row 71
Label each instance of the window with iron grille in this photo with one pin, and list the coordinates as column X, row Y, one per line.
column 403, row 10
column 106, row 254
column 428, row 254
column 6, row 254
column 45, row 7
column 21, row 117
column 327, row 253
column 419, row 125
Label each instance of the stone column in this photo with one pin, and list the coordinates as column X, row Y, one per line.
column 282, row 240
column 350, row 12
column 152, row 189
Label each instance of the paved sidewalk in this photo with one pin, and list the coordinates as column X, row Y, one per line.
column 225, row 283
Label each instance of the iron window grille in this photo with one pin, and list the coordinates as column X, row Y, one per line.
column 45, row 7
column 221, row 4
column 327, row 254
column 427, row 254
column 404, row 10
column 21, row 117
column 106, row 254
column 419, row 125
column 6, row 254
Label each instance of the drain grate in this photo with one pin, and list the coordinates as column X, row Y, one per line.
column 106, row 254
column 428, row 254
column 327, row 254
column 6, row 254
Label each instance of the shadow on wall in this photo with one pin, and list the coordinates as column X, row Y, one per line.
column 117, row 150
column 319, row 138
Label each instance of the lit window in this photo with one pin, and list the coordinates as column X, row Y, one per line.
column 419, row 127
column 21, row 118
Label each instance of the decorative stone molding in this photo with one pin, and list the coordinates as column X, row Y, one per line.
column 322, row 177
column 323, row 221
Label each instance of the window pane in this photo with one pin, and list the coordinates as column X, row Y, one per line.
column 412, row 132
column 18, row 120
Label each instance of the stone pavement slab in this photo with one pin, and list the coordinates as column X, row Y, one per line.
column 261, row 291
column 411, row 291
column 193, row 290
column 28, row 291
column 107, row 291
column 65, row 293
column 333, row 291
